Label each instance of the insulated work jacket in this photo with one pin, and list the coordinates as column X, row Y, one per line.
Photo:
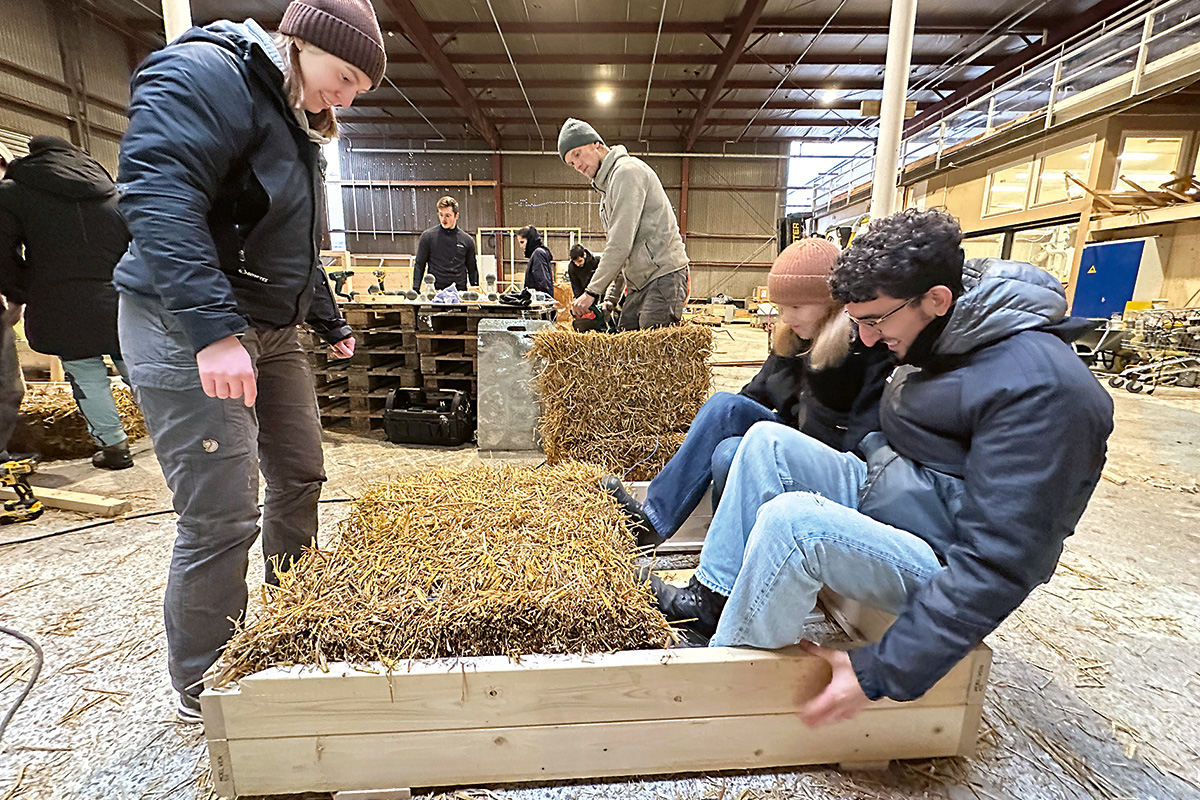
column 989, row 451
column 221, row 187
column 60, row 206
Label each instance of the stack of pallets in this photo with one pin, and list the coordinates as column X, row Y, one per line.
column 448, row 341
column 402, row 345
column 352, row 393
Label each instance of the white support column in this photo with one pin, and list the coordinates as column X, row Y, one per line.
column 177, row 17
column 891, row 112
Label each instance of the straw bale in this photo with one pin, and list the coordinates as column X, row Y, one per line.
column 51, row 425
column 488, row 561
column 623, row 400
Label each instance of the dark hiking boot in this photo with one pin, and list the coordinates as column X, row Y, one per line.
column 113, row 457
column 693, row 610
column 647, row 536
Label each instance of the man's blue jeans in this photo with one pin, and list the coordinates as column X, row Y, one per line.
column 703, row 458
column 787, row 524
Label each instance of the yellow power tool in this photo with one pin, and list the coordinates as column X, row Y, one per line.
column 26, row 506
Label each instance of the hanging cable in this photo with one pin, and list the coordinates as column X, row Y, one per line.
column 795, row 64
column 537, row 126
column 414, row 105
column 653, row 59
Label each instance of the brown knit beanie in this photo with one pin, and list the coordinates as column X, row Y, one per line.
column 347, row 29
column 800, row 274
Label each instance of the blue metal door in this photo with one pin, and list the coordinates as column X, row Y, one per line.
column 1107, row 274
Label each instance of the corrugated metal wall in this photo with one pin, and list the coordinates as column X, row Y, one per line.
column 731, row 231
column 29, row 38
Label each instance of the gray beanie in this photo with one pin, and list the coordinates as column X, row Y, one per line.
column 575, row 133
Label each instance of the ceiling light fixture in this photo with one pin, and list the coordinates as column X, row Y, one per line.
column 604, row 96
column 828, row 96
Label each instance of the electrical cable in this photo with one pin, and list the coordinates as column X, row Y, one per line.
column 114, row 520
column 39, row 659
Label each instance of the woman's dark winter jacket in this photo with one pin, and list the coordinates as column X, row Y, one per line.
column 61, row 206
column 990, row 447
column 581, row 276
column 837, row 406
column 221, row 187
column 540, row 272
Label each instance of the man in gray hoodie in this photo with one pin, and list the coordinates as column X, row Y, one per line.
column 644, row 250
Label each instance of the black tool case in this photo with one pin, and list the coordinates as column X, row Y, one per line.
column 428, row 416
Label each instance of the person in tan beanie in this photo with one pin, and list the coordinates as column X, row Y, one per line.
column 815, row 380
column 221, row 187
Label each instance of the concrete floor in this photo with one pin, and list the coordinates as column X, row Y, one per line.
column 1092, row 695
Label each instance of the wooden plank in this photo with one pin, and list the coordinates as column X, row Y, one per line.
column 75, row 501
column 485, row 692
column 598, row 750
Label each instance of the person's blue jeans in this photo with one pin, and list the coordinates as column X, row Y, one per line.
column 787, row 525
column 677, row 489
column 93, row 394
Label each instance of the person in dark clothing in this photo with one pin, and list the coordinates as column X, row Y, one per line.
column 579, row 272
column 60, row 237
column 993, row 435
column 221, row 184
column 12, row 386
column 816, row 380
column 539, row 274
column 447, row 251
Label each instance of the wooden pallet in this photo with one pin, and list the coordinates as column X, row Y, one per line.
column 483, row 720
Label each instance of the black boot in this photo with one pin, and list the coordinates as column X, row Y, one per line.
column 694, row 610
column 114, row 456
column 647, row 536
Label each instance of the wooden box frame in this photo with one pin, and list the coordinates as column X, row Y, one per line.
column 482, row 720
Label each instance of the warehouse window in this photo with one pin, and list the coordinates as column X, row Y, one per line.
column 1008, row 189
column 1148, row 161
column 1052, row 184
column 987, row 246
column 1051, row 249
column 807, row 160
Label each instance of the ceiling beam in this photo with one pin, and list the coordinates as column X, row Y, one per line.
column 431, row 53
column 849, row 26
column 679, row 59
column 759, row 122
column 571, row 107
column 972, row 89
column 398, row 139
column 729, row 57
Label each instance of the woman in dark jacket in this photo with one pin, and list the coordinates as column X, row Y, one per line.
column 817, row 379
column 580, row 270
column 221, row 186
column 539, row 274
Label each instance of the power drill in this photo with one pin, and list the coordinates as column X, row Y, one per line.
column 26, row 507
column 339, row 278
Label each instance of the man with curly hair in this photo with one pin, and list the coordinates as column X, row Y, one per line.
column 992, row 440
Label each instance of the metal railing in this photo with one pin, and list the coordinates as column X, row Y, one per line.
column 1095, row 68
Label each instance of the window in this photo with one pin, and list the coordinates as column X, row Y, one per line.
column 808, row 160
column 1148, row 161
column 1008, row 189
column 1051, row 249
column 989, row 246
column 1052, row 185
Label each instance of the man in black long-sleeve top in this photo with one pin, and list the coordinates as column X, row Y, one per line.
column 447, row 251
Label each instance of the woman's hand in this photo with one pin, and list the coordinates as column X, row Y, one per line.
column 343, row 349
column 226, row 371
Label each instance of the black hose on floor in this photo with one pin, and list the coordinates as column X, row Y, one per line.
column 143, row 515
column 33, row 676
